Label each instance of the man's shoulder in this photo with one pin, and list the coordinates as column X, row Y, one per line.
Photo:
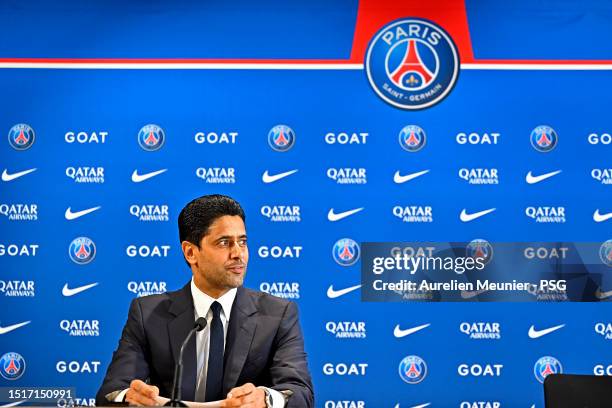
column 151, row 300
column 158, row 302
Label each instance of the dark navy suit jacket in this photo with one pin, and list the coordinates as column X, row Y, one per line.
column 264, row 346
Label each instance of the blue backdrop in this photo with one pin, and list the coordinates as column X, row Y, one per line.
column 314, row 103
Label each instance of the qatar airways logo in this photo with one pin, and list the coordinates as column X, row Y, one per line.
column 546, row 215
column 86, row 175
column 348, row 175
column 281, row 213
column 604, row 330
column 414, row 213
column 481, row 330
column 17, row 288
column 150, row 212
column 146, row 288
column 217, row 175
column 81, row 328
column 346, row 330
column 19, row 212
column 604, row 176
column 285, row 290
column 486, row 176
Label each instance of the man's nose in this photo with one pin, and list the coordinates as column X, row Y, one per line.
column 235, row 251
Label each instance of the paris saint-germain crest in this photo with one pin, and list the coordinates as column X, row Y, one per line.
column 412, row 369
column 21, row 136
column 12, row 366
column 151, row 137
column 412, row 63
column 82, row 250
column 346, row 252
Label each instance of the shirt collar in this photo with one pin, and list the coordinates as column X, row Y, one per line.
column 202, row 301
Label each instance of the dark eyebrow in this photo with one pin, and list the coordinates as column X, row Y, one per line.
column 229, row 237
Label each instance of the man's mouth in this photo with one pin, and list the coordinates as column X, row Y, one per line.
column 237, row 269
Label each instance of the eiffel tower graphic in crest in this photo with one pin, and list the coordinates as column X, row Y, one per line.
column 281, row 140
column 547, row 371
column 412, row 140
column 21, row 139
column 412, row 372
column 11, row 368
column 345, row 254
column 82, row 252
column 544, row 140
column 151, row 139
column 412, row 64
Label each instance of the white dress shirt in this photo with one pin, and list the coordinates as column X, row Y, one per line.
column 201, row 305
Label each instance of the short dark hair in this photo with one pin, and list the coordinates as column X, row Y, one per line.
column 197, row 216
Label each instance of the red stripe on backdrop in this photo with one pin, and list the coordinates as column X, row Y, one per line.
column 448, row 14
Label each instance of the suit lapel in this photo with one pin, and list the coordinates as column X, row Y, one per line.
column 239, row 337
column 178, row 328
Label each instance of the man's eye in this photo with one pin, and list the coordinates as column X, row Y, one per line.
column 223, row 242
column 242, row 242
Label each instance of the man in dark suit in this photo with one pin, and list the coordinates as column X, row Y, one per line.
column 251, row 352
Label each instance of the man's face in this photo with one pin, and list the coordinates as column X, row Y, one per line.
column 220, row 262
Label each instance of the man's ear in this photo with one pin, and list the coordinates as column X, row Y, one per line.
column 190, row 252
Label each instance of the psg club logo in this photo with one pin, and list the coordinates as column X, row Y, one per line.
column 82, row 250
column 480, row 248
column 412, row 369
column 21, row 137
column 412, row 138
column 12, row 366
column 412, row 63
column 345, row 252
column 151, row 137
column 544, row 138
column 546, row 366
column 281, row 138
column 605, row 252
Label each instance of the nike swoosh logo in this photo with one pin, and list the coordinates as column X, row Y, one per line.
column 415, row 406
column 597, row 217
column 6, row 176
column 465, row 217
column 4, row 330
column 332, row 294
column 338, row 216
column 137, row 178
column 534, row 334
column 468, row 294
column 74, row 215
column 603, row 295
column 399, row 179
column 531, row 179
column 66, row 291
column 399, row 333
column 266, row 178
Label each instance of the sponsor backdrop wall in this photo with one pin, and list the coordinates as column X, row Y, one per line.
column 333, row 123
